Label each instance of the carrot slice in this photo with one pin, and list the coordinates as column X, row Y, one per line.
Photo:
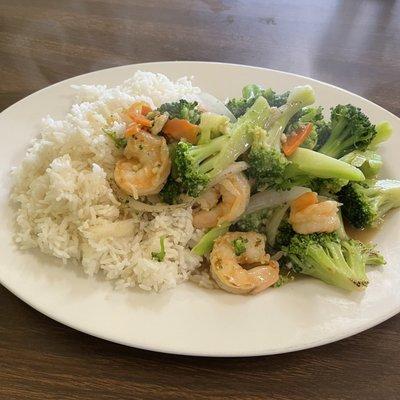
column 137, row 112
column 181, row 129
column 296, row 138
column 303, row 201
column 145, row 109
column 132, row 130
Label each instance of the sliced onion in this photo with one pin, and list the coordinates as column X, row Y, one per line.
column 234, row 168
column 274, row 222
column 212, row 104
column 139, row 206
column 272, row 198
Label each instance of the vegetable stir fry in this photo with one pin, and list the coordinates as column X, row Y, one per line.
column 271, row 182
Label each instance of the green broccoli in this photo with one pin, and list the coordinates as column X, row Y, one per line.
column 205, row 244
column 250, row 93
column 196, row 165
column 328, row 186
column 369, row 161
column 212, row 125
column 239, row 245
column 309, row 115
column 120, row 143
column 266, row 160
column 366, row 203
column 254, row 222
column 159, row 255
column 351, row 129
column 284, row 234
column 326, row 257
column 181, row 109
column 171, row 191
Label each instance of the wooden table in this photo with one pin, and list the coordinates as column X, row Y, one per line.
column 353, row 44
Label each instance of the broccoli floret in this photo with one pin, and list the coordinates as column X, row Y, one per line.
column 159, row 255
column 212, row 125
column 171, row 191
column 266, row 160
column 366, row 203
column 196, row 165
column 182, row 109
column 369, row 161
column 324, row 256
column 327, row 187
column 254, row 222
column 284, row 234
column 309, row 115
column 351, row 129
column 239, row 245
column 250, row 93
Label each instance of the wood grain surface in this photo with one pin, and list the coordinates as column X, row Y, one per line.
column 353, row 44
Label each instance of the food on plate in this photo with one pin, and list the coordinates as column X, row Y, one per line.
column 154, row 182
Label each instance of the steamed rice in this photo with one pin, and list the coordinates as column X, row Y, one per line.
column 68, row 205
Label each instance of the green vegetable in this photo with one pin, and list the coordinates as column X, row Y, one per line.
column 254, row 222
column 212, row 125
column 159, row 255
column 120, row 143
column 324, row 256
column 284, row 234
column 309, row 115
column 327, row 186
column 196, row 165
column 182, row 109
column 369, row 161
column 366, row 203
column 250, row 94
column 171, row 191
column 319, row 165
column 267, row 163
column 239, row 245
column 350, row 130
column 205, row 245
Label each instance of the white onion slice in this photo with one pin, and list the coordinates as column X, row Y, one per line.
column 272, row 198
column 139, row 206
column 212, row 104
column 234, row 168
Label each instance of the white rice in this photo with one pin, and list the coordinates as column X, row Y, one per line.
column 68, row 205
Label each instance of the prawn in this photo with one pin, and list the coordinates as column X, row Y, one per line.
column 224, row 202
column 226, row 269
column 319, row 217
column 145, row 166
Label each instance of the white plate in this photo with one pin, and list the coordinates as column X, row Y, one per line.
column 188, row 319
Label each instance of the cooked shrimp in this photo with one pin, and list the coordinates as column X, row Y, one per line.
column 320, row 217
column 226, row 267
column 145, row 167
column 223, row 203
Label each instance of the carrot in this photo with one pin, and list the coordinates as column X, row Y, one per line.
column 146, row 109
column 137, row 112
column 296, row 138
column 303, row 201
column 132, row 129
column 181, row 129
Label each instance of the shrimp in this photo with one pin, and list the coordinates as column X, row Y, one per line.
column 145, row 166
column 320, row 217
column 226, row 267
column 223, row 203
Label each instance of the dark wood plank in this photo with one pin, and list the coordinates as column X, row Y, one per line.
column 353, row 44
